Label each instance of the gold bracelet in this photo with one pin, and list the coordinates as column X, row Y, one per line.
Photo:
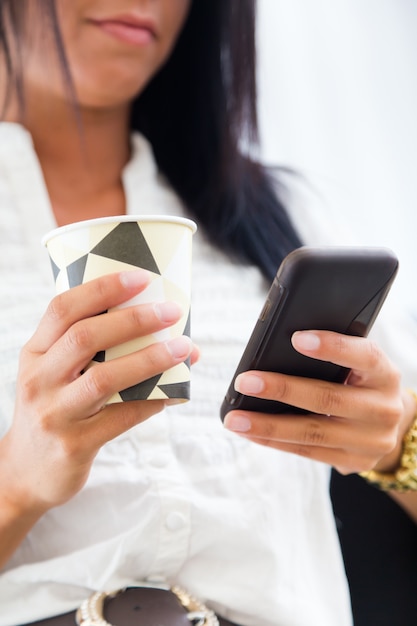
column 405, row 477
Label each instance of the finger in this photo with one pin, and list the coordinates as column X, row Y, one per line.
column 90, row 391
column 75, row 349
column 84, row 301
column 320, row 438
column 356, row 353
column 312, row 430
column 322, row 397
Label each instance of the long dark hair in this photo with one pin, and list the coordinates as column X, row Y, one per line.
column 13, row 23
column 199, row 114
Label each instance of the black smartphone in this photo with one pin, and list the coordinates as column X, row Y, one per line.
column 316, row 288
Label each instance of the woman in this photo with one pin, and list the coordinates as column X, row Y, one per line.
column 96, row 499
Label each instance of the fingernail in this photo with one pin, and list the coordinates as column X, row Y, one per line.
column 180, row 347
column 305, row 340
column 134, row 278
column 238, row 423
column 249, row 383
column 168, row 311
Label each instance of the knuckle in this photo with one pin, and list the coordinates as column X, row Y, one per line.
column 29, row 349
column 388, row 415
column 328, row 401
column 388, row 440
column 339, row 343
column 58, row 308
column 102, row 287
column 314, row 434
column 392, row 414
column 79, row 337
column 374, row 354
column 25, row 361
column 97, row 381
column 281, row 391
column 29, row 388
column 388, row 444
column 381, row 445
column 156, row 358
column 396, row 377
column 136, row 316
column 47, row 421
column 268, row 431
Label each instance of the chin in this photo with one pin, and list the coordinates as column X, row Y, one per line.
column 96, row 97
column 111, row 89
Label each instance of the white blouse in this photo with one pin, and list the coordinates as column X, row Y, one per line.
column 248, row 530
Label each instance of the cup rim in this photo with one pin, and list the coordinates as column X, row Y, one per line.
column 171, row 219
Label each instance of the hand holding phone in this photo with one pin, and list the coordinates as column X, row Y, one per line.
column 341, row 289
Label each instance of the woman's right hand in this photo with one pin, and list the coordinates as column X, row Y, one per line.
column 60, row 419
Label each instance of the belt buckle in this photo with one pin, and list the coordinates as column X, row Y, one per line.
column 90, row 613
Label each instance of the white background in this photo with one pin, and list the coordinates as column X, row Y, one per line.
column 338, row 102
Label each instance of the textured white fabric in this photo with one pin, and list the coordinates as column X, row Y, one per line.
column 248, row 530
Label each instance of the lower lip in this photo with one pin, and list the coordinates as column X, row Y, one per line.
column 133, row 35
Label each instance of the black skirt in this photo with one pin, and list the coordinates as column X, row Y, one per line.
column 379, row 544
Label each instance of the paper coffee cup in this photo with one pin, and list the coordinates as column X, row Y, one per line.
column 161, row 244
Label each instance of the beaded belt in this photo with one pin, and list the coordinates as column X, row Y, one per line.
column 143, row 605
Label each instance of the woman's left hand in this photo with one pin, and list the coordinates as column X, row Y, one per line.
column 356, row 426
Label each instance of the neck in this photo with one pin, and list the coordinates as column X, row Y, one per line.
column 82, row 153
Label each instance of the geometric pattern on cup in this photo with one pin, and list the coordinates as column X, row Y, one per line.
column 82, row 255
